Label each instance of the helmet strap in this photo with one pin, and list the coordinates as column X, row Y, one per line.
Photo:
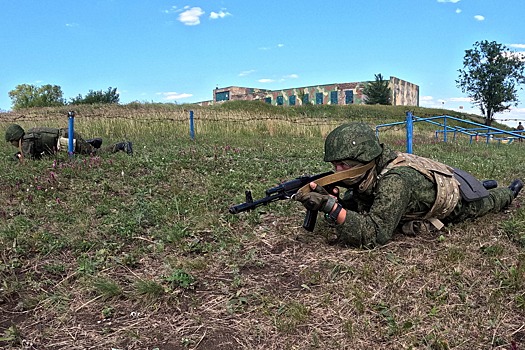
column 368, row 181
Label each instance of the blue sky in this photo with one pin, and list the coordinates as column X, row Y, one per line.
column 175, row 51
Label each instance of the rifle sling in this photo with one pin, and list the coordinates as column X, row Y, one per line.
column 338, row 176
column 20, row 150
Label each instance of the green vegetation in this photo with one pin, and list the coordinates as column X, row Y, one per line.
column 377, row 92
column 491, row 76
column 28, row 96
column 95, row 97
column 141, row 253
column 25, row 96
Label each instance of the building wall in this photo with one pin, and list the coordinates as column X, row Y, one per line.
column 239, row 93
column 324, row 91
column 403, row 93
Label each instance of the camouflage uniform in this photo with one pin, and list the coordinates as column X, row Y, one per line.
column 41, row 141
column 373, row 214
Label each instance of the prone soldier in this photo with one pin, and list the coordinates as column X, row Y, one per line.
column 41, row 141
column 395, row 189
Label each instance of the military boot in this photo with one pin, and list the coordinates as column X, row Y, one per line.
column 516, row 187
column 96, row 142
column 128, row 148
column 125, row 146
column 488, row 184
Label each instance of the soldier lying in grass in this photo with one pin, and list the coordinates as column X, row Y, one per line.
column 38, row 142
column 396, row 189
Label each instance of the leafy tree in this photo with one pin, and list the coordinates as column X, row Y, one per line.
column 490, row 76
column 377, row 92
column 26, row 96
column 92, row 97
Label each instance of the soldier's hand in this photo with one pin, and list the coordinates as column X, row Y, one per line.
column 318, row 199
column 333, row 190
column 16, row 157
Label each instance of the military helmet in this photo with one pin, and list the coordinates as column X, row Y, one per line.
column 13, row 133
column 355, row 141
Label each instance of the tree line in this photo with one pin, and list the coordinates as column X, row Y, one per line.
column 27, row 96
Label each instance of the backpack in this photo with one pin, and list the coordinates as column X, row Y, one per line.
column 40, row 141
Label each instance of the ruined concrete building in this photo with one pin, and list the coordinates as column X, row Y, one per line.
column 404, row 93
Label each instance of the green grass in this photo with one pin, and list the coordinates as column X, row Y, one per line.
column 147, row 243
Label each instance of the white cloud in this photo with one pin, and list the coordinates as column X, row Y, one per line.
column 191, row 16
column 452, row 1
column 479, row 18
column 460, row 99
column 171, row 96
column 454, row 103
column 171, row 10
column 511, row 117
column 517, row 46
column 246, row 72
column 71, row 25
column 458, row 10
column 291, row 76
column 266, row 81
column 220, row 14
column 266, row 48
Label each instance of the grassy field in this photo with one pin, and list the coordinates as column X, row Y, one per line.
column 120, row 252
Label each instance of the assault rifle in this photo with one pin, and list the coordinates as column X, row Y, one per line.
column 283, row 191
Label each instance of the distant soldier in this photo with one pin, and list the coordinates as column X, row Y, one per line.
column 41, row 141
column 388, row 189
column 520, row 128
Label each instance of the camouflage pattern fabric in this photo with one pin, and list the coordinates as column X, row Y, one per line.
column 373, row 216
column 42, row 141
column 355, row 141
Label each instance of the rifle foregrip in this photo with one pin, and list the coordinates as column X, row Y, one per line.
column 309, row 220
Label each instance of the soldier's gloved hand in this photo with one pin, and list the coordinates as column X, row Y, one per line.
column 317, row 199
column 334, row 191
column 16, row 156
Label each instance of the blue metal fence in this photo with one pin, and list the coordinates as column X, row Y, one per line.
column 476, row 132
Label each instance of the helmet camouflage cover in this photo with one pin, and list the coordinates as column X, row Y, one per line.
column 354, row 141
column 14, row 132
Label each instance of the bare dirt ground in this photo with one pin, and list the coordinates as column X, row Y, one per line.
column 292, row 290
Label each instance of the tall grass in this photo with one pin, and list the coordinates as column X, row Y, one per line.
column 141, row 252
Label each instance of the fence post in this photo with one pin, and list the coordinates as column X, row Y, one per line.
column 192, row 127
column 410, row 131
column 445, row 129
column 71, row 134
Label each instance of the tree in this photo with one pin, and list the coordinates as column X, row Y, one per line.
column 377, row 92
column 92, row 97
column 490, row 76
column 27, row 96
